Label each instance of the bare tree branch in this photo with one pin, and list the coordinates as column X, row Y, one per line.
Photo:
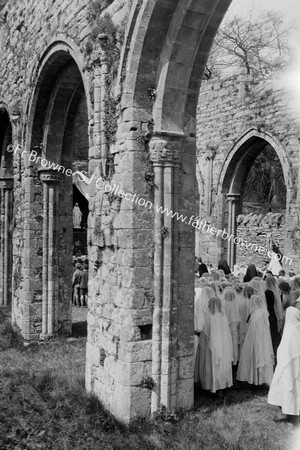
column 259, row 45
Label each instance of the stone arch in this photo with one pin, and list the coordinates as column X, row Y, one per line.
column 59, row 98
column 237, row 160
column 169, row 45
column 235, row 171
column 6, row 205
column 164, row 53
column 60, row 52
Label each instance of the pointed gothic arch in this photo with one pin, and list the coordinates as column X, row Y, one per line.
column 234, row 174
column 44, row 296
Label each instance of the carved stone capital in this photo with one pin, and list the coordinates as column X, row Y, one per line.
column 49, row 176
column 233, row 198
column 6, row 182
column 165, row 151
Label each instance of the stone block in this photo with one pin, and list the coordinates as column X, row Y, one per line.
column 135, row 351
column 127, row 373
column 185, row 394
column 131, row 298
column 131, row 402
column 185, row 345
column 92, row 354
column 186, row 368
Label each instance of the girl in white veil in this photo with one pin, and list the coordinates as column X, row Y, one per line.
column 215, row 348
column 256, row 361
column 202, row 296
column 285, row 386
column 201, row 306
column 232, row 310
column 258, row 286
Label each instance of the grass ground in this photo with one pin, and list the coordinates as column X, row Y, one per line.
column 43, row 405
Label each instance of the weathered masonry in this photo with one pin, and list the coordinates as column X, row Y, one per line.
column 237, row 121
column 118, row 84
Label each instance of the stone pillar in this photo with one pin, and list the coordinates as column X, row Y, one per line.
column 6, row 185
column 165, row 154
column 100, row 91
column 50, row 181
column 232, row 203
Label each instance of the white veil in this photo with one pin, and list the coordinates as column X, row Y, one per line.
column 289, row 347
column 202, row 296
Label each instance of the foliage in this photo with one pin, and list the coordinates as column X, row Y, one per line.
column 18, row 277
column 110, row 122
column 164, row 415
column 150, row 298
column 110, row 37
column 149, row 174
column 102, row 356
column 165, row 232
column 149, row 177
column 152, row 93
column 148, row 383
column 256, row 46
column 8, row 336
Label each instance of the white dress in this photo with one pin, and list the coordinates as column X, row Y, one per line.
column 215, row 353
column 285, row 386
column 244, row 309
column 233, row 315
column 202, row 296
column 274, row 265
column 256, row 360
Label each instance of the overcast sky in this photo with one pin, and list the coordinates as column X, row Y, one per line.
column 288, row 9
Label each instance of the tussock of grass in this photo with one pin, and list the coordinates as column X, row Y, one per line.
column 8, row 337
column 44, row 410
column 44, row 406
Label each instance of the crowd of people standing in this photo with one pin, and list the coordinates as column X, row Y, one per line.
column 247, row 326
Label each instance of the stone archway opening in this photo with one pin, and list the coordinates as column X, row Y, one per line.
column 58, row 147
column 255, row 203
column 6, row 207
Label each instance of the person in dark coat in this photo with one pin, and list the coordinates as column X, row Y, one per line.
column 275, row 310
column 250, row 273
column 202, row 267
column 222, row 264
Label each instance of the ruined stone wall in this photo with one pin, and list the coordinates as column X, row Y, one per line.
column 26, row 32
column 141, row 268
column 261, row 231
column 227, row 111
column 121, row 267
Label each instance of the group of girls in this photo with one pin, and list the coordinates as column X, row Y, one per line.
column 238, row 327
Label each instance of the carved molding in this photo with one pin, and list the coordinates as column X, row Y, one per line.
column 164, row 151
column 6, row 183
column 49, row 176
